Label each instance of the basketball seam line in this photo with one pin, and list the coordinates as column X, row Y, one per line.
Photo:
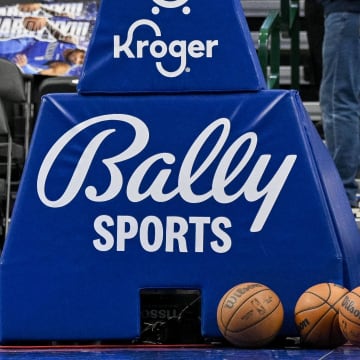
column 327, row 311
column 250, row 326
column 239, row 305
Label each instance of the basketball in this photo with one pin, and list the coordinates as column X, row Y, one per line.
column 349, row 316
column 317, row 315
column 250, row 315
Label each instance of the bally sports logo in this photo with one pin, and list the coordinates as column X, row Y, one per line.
column 158, row 49
column 220, row 158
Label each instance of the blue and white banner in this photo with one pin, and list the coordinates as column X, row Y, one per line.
column 47, row 38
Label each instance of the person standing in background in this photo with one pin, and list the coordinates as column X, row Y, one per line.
column 340, row 89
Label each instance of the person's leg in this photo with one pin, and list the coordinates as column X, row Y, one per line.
column 339, row 95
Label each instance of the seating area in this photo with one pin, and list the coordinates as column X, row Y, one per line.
column 20, row 97
column 256, row 11
column 15, row 113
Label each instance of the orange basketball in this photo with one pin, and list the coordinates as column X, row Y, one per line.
column 250, row 315
column 317, row 315
column 349, row 316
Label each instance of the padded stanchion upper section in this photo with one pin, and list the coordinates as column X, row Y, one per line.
column 171, row 46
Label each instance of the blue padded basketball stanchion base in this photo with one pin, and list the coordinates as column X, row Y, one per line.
column 163, row 183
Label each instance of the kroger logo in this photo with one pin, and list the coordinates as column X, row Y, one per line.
column 170, row 4
column 159, row 49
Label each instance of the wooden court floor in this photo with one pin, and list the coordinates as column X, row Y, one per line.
column 171, row 353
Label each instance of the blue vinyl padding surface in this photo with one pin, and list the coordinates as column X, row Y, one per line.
column 173, row 167
column 77, row 230
column 186, row 46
